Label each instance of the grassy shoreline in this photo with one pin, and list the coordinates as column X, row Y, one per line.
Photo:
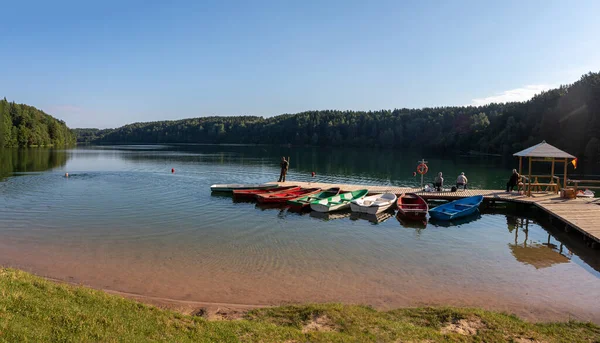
column 35, row 309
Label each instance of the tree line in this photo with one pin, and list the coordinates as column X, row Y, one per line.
column 26, row 126
column 567, row 117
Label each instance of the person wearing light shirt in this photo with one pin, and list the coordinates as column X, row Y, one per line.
column 461, row 181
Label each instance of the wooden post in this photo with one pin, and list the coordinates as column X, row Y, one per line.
column 529, row 180
column 565, row 177
column 520, row 165
column 552, row 175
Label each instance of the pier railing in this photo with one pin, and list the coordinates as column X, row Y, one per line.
column 540, row 183
column 589, row 184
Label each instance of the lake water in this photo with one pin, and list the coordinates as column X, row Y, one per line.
column 122, row 221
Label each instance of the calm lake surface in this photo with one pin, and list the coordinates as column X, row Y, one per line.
column 122, row 221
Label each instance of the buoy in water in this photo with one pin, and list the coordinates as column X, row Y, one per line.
column 414, row 173
column 172, row 170
column 313, row 174
column 66, row 174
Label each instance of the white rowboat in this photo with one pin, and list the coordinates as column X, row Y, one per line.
column 373, row 204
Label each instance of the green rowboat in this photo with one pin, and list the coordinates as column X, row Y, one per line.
column 304, row 202
column 337, row 202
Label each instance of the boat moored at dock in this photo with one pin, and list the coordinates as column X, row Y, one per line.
column 457, row 209
column 373, row 204
column 338, row 202
column 230, row 187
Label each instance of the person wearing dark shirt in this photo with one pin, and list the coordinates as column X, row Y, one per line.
column 513, row 181
column 284, row 168
column 438, row 182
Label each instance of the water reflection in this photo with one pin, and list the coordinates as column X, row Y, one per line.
column 373, row 218
column 537, row 254
column 384, row 166
column 409, row 223
column 326, row 216
column 14, row 161
column 272, row 206
column 222, row 195
column 456, row 222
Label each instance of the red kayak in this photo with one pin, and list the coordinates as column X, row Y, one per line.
column 251, row 193
column 283, row 196
column 411, row 205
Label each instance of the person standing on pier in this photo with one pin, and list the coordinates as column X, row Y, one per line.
column 284, row 168
column 512, row 182
column 438, row 182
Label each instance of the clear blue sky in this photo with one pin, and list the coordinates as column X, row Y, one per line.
column 108, row 63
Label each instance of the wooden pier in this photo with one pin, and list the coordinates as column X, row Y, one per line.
column 581, row 214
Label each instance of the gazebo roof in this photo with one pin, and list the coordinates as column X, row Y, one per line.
column 543, row 150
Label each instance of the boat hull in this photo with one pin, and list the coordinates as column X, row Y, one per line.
column 338, row 202
column 283, row 197
column 412, row 206
column 252, row 193
column 304, row 202
column 373, row 204
column 325, row 208
column 457, row 209
column 232, row 187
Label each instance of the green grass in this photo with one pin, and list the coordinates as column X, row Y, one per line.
column 36, row 310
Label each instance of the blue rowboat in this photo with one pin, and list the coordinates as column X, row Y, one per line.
column 456, row 209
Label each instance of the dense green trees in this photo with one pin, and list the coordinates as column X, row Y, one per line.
column 568, row 117
column 25, row 126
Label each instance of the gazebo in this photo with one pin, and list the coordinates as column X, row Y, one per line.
column 544, row 152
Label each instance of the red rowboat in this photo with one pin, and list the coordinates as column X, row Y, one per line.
column 411, row 205
column 283, row 196
column 251, row 193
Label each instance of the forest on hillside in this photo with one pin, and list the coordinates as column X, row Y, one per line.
column 26, row 126
column 568, row 117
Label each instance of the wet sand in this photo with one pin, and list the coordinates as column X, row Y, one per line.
column 231, row 289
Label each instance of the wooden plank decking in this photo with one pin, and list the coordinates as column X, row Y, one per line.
column 580, row 214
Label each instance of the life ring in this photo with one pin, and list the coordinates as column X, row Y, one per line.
column 422, row 169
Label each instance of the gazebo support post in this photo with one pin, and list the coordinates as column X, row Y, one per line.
column 565, row 177
column 520, row 165
column 552, row 172
column 529, row 179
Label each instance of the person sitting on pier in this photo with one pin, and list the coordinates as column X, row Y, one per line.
column 438, row 182
column 512, row 182
column 461, row 181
